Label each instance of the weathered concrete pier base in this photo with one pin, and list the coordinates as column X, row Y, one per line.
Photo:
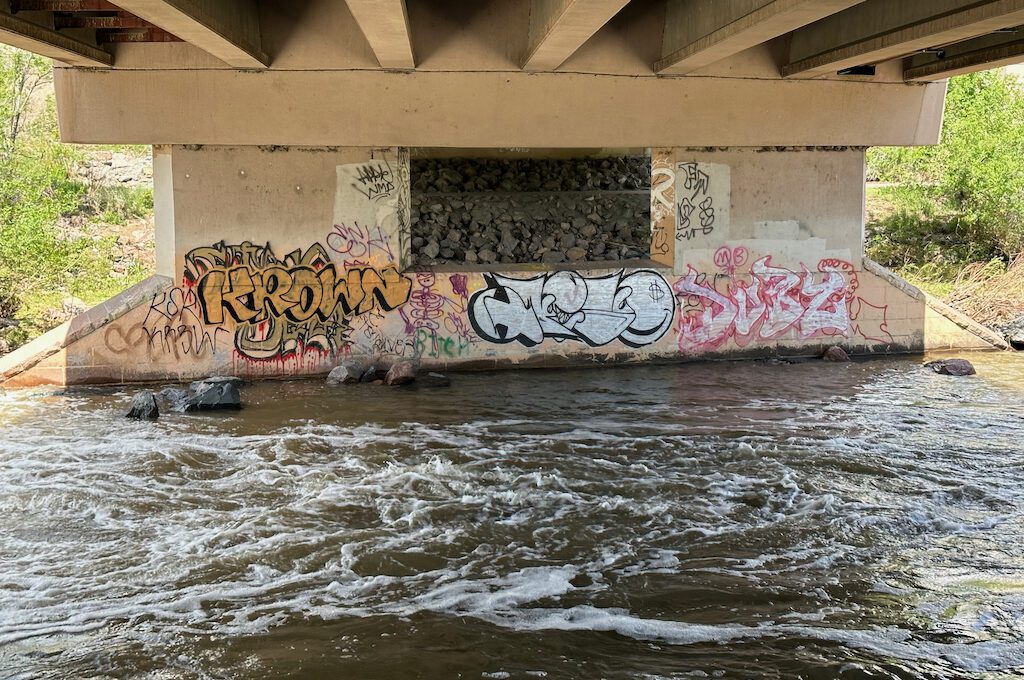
column 284, row 187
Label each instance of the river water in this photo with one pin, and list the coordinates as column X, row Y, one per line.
column 736, row 520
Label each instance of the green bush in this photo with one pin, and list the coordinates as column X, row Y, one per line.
column 962, row 200
column 42, row 262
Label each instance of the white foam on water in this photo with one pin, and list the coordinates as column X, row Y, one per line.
column 528, row 524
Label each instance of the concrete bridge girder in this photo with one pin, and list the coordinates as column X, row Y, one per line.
column 809, row 38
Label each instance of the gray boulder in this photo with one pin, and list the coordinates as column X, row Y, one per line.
column 347, row 373
column 402, row 373
column 173, row 397
column 144, row 406
column 217, row 380
column 1014, row 332
column 211, row 396
column 958, row 367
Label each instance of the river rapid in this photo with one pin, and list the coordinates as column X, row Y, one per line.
column 733, row 520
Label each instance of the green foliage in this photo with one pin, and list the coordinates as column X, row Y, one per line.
column 42, row 262
column 963, row 200
column 119, row 204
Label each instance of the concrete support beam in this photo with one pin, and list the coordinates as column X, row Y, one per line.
column 521, row 110
column 980, row 54
column 227, row 29
column 701, row 32
column 385, row 23
column 560, row 27
column 880, row 30
column 33, row 37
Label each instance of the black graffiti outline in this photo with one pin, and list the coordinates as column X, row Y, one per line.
column 626, row 299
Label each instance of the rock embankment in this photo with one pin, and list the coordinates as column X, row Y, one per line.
column 488, row 211
column 460, row 175
column 116, row 168
column 566, row 227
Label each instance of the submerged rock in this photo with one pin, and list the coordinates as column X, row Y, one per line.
column 348, row 373
column 836, row 353
column 432, row 380
column 211, row 396
column 144, row 406
column 402, row 373
column 958, row 367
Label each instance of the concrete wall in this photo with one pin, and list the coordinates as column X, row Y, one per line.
column 288, row 260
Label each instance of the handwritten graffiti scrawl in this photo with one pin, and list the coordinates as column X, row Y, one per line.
column 285, row 305
column 636, row 308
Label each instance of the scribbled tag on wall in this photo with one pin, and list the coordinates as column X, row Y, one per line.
column 703, row 193
column 663, row 206
column 371, row 213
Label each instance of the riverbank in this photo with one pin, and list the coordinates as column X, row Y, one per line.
column 990, row 292
column 97, row 242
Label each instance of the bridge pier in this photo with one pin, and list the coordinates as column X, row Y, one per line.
column 284, row 261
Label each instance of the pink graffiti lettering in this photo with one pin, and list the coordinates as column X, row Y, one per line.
column 769, row 302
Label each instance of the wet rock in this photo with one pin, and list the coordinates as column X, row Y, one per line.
column 173, row 397
column 957, row 367
column 1014, row 333
column 372, row 372
column 836, row 353
column 432, row 380
column 347, row 373
column 217, row 380
column 402, row 373
column 144, row 406
column 214, row 396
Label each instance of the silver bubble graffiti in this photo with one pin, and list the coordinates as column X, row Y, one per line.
column 636, row 309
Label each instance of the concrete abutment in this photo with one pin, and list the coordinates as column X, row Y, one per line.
column 283, row 261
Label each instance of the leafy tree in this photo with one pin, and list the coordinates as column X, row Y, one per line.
column 962, row 200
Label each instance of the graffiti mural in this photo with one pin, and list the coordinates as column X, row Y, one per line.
column 635, row 308
column 285, row 305
column 435, row 317
column 766, row 303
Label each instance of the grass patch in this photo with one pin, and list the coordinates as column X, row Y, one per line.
column 118, row 204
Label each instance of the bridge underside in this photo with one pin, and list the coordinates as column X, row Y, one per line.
column 287, row 135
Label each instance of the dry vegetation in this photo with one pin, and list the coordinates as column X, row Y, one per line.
column 989, row 293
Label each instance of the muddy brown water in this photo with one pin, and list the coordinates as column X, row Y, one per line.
column 737, row 520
